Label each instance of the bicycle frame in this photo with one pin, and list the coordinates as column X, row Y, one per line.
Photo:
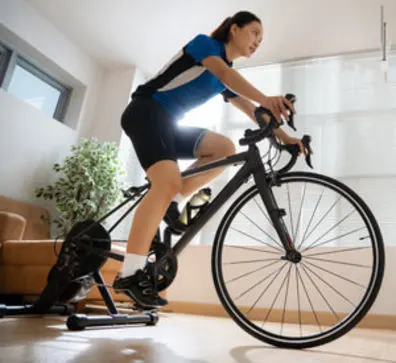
column 252, row 166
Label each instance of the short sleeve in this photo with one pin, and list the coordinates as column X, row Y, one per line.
column 203, row 46
column 227, row 94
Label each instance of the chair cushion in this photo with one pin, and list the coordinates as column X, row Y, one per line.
column 36, row 228
column 12, row 226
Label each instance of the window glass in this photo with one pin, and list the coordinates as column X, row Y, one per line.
column 34, row 91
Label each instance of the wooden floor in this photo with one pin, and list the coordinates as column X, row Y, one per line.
column 175, row 339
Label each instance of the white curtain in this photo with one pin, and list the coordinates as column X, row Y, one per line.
column 349, row 109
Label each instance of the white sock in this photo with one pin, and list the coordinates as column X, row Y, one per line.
column 178, row 198
column 132, row 263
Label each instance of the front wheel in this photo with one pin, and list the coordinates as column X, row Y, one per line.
column 308, row 302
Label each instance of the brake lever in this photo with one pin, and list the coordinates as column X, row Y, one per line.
column 306, row 139
column 291, row 98
column 294, row 149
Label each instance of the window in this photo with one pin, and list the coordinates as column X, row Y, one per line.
column 32, row 85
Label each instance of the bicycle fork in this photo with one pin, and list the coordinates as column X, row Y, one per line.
column 276, row 215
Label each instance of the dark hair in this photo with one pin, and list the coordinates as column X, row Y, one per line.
column 242, row 18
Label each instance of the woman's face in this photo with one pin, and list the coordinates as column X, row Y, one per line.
column 248, row 38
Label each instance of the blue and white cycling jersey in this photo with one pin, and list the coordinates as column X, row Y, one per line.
column 184, row 83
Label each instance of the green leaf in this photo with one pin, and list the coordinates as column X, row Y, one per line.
column 88, row 182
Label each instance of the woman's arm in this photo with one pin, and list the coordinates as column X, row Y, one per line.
column 248, row 108
column 234, row 81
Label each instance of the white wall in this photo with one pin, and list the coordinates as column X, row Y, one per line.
column 114, row 96
column 134, row 173
column 292, row 28
column 32, row 142
column 31, row 145
column 194, row 283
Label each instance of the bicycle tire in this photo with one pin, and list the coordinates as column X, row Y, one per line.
column 346, row 324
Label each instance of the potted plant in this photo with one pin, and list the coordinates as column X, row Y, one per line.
column 88, row 186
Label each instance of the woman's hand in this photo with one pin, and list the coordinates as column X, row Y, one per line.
column 295, row 140
column 278, row 106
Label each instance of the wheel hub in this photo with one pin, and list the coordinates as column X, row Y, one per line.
column 293, row 256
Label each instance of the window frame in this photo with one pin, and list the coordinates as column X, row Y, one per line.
column 14, row 58
column 4, row 62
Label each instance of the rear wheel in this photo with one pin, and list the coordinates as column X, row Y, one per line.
column 303, row 303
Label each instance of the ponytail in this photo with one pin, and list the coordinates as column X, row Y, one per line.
column 242, row 18
column 222, row 32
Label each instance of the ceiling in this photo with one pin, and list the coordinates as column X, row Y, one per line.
column 147, row 33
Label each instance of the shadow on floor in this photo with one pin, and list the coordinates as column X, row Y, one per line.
column 240, row 354
column 27, row 341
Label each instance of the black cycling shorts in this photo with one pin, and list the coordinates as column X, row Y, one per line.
column 156, row 136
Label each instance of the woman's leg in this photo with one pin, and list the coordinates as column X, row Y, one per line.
column 165, row 182
column 213, row 146
column 134, row 280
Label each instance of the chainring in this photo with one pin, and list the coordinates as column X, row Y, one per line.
column 166, row 264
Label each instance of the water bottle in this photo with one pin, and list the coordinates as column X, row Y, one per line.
column 194, row 205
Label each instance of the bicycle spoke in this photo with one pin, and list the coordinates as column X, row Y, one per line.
column 333, row 239
column 298, row 301
column 335, row 274
column 252, row 249
column 286, row 295
column 310, row 220
column 252, row 272
column 325, row 282
column 309, row 299
column 338, row 262
column 321, row 294
column 258, row 283
column 262, row 294
column 328, row 231
column 337, row 251
column 251, row 261
column 290, row 210
column 299, row 214
column 262, row 230
column 262, row 211
column 276, row 298
column 256, row 239
column 322, row 219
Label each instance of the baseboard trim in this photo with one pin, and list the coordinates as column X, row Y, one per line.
column 373, row 321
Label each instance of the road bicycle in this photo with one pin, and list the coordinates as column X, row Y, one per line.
column 297, row 259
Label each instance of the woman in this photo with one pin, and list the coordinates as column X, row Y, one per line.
column 201, row 70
